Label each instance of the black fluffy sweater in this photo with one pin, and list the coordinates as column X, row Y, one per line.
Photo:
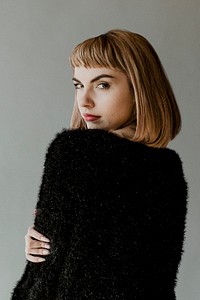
column 115, row 213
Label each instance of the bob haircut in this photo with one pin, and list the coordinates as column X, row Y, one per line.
column 157, row 119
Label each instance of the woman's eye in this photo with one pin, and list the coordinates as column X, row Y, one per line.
column 103, row 85
column 78, row 86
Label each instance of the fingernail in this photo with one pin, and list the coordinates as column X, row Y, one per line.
column 44, row 239
column 41, row 259
column 45, row 251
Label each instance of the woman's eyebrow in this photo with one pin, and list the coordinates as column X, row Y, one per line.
column 96, row 78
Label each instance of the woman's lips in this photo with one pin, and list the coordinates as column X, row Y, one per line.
column 90, row 118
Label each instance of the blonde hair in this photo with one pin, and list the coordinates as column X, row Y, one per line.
column 158, row 118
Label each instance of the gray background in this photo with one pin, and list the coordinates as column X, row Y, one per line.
column 36, row 37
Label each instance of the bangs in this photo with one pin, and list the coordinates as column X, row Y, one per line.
column 97, row 52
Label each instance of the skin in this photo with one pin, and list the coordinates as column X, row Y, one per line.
column 37, row 244
column 107, row 95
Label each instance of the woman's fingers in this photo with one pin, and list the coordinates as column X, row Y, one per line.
column 40, row 251
column 36, row 245
column 36, row 235
column 34, row 259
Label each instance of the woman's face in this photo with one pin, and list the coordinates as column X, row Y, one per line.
column 104, row 97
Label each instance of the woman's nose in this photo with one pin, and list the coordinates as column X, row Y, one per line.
column 85, row 99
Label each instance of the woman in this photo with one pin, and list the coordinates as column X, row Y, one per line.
column 113, row 199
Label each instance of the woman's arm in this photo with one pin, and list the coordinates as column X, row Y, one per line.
column 38, row 280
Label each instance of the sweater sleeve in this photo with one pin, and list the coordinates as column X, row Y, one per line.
column 38, row 280
column 164, row 227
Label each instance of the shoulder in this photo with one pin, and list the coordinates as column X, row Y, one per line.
column 87, row 140
column 164, row 163
column 96, row 150
column 101, row 141
column 76, row 136
column 164, row 156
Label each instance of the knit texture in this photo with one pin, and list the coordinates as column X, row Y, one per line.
column 115, row 213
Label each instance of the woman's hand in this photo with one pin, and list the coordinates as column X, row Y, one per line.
column 36, row 244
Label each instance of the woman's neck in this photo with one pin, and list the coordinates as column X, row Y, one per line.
column 127, row 131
